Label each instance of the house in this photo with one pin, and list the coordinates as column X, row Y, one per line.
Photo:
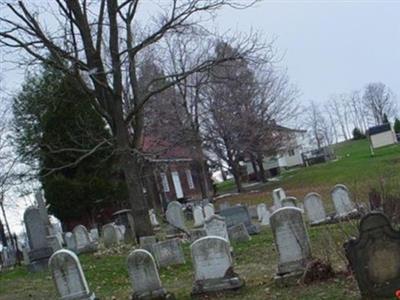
column 289, row 155
column 171, row 173
column 381, row 135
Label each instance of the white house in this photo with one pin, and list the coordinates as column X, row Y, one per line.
column 290, row 155
column 381, row 135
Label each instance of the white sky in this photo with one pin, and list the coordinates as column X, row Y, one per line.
column 330, row 46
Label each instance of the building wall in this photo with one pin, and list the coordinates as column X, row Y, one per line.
column 293, row 158
column 383, row 139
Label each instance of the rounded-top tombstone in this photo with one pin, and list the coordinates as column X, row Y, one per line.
column 68, row 276
column 35, row 228
column 314, row 208
column 291, row 240
column 110, row 235
column 175, row 216
column 289, row 202
column 342, row 200
column 144, row 276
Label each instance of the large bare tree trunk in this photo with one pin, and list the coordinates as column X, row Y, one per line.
column 263, row 178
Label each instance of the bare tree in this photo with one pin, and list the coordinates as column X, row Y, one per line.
column 379, row 100
column 102, row 44
column 316, row 123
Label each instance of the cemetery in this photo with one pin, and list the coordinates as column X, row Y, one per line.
column 148, row 151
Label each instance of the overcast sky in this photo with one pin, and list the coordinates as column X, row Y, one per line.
column 329, row 46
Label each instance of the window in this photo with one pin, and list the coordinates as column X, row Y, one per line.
column 189, row 179
column 291, row 152
column 164, row 181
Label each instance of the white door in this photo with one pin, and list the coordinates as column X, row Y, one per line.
column 177, row 184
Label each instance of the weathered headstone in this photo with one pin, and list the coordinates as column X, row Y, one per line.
column 261, row 209
column 195, row 234
column 70, row 241
column 216, row 226
column 168, row 253
column 153, row 218
column 314, row 208
column 224, row 205
column 375, row 257
column 237, row 215
column 68, row 276
column 209, row 210
column 278, row 195
column 238, row 233
column 289, row 202
column 342, row 201
column 40, row 250
column 147, row 242
column 110, row 235
column 175, row 216
column 83, row 243
column 291, row 241
column 198, row 216
column 144, row 276
column 253, row 211
column 265, row 218
column 94, row 234
column 213, row 269
column 124, row 217
column 54, row 242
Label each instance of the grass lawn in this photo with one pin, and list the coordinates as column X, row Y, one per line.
column 255, row 261
column 354, row 167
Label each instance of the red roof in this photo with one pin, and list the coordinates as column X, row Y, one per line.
column 165, row 149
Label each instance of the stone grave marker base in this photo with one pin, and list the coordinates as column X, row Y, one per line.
column 88, row 249
column 288, row 279
column 160, row 294
column 210, row 286
column 38, row 265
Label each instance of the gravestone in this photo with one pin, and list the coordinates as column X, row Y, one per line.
column 144, row 277
column 68, row 276
column 253, row 211
column 261, row 209
column 195, row 234
column 147, row 242
column 70, row 241
column 175, row 216
column 224, row 205
column 124, row 217
column 153, row 218
column 289, row 202
column 168, row 253
column 110, row 235
column 198, row 216
column 209, row 210
column 278, row 195
column 54, row 242
column 238, row 233
column 83, row 243
column 291, row 242
column 315, row 209
column 94, row 234
column 237, row 215
column 344, row 206
column 216, row 226
column 375, row 257
column 213, row 269
column 36, row 230
column 265, row 218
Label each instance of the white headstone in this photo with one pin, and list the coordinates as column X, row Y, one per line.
column 291, row 240
column 289, row 202
column 175, row 216
column 212, row 262
column 198, row 216
column 94, row 234
column 265, row 218
column 83, row 242
column 216, row 226
column 153, row 218
column 168, row 253
column 261, row 209
column 314, row 208
column 209, row 210
column 144, row 275
column 68, row 276
column 70, row 241
column 278, row 195
column 342, row 200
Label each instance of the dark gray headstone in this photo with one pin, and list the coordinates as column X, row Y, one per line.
column 147, row 242
column 239, row 233
column 375, row 257
column 237, row 215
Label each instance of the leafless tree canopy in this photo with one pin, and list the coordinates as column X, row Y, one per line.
column 102, row 44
